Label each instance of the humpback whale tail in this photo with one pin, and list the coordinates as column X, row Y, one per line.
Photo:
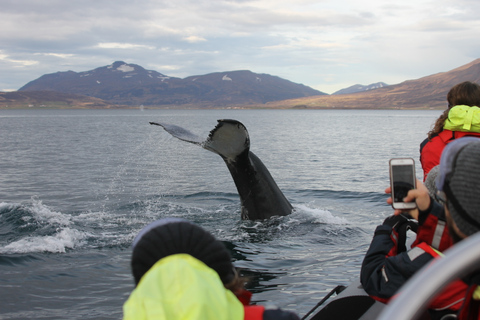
column 228, row 139
column 260, row 196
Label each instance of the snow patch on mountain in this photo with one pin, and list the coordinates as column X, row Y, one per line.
column 126, row 68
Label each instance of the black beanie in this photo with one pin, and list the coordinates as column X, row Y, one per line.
column 170, row 236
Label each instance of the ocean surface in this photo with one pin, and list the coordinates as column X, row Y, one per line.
column 76, row 186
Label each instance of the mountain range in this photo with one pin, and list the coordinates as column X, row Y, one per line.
column 130, row 84
column 122, row 85
column 360, row 88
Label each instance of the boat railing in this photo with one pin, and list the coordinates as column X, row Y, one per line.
column 414, row 297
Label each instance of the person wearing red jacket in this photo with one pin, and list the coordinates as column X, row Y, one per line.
column 458, row 183
column 388, row 264
column 385, row 269
column 460, row 119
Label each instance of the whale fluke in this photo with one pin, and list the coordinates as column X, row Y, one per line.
column 260, row 196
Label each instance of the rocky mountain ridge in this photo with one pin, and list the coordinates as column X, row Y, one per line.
column 360, row 88
column 425, row 93
column 130, row 84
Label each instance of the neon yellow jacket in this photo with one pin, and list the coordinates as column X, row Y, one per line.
column 463, row 118
column 181, row 287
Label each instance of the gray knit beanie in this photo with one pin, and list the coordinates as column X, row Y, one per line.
column 430, row 182
column 459, row 179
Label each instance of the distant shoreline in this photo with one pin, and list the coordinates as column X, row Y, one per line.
column 46, row 107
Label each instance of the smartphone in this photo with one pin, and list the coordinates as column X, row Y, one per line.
column 402, row 180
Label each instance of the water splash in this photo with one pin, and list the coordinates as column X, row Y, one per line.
column 321, row 216
column 58, row 243
column 37, row 228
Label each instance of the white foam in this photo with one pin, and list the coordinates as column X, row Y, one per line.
column 64, row 237
column 4, row 205
column 321, row 216
column 43, row 214
column 58, row 243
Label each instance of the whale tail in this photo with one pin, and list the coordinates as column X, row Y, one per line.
column 259, row 194
column 228, row 139
column 180, row 133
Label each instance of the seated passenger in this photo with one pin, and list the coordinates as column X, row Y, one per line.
column 386, row 267
column 182, row 272
column 460, row 119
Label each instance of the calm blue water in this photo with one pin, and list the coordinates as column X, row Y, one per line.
column 77, row 185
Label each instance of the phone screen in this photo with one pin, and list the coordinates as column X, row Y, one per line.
column 403, row 181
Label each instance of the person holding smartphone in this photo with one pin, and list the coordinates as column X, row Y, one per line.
column 388, row 264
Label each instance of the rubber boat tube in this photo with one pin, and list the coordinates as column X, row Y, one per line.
column 415, row 295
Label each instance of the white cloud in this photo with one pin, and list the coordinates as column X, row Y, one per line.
column 164, row 67
column 194, row 39
column 320, row 43
column 117, row 45
column 57, row 55
column 15, row 63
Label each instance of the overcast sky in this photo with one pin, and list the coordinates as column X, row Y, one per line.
column 325, row 44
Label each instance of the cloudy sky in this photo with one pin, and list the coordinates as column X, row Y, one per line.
column 325, row 44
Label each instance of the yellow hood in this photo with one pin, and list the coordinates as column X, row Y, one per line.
column 463, row 118
column 180, row 287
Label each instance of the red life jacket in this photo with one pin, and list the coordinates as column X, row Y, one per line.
column 253, row 312
column 471, row 308
column 453, row 295
column 431, row 150
column 435, row 233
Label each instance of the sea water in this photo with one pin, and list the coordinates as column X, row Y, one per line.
column 76, row 186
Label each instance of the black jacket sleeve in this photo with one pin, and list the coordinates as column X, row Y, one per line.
column 382, row 275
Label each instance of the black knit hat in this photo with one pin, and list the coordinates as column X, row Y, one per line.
column 459, row 179
column 169, row 236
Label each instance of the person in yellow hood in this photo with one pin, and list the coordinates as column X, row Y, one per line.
column 460, row 119
column 182, row 272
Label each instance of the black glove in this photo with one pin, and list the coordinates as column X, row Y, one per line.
column 395, row 221
column 401, row 225
column 402, row 233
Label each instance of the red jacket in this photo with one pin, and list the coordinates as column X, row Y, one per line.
column 384, row 270
column 432, row 228
column 256, row 312
column 471, row 308
column 431, row 150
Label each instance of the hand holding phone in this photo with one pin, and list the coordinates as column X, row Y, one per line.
column 402, row 180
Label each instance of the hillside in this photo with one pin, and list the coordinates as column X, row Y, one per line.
column 50, row 99
column 130, row 84
column 429, row 92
